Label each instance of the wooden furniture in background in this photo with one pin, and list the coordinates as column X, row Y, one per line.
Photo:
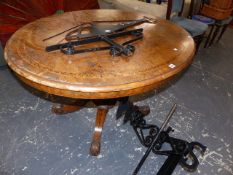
column 195, row 14
column 196, row 28
column 165, row 50
column 218, row 27
column 218, row 9
column 15, row 14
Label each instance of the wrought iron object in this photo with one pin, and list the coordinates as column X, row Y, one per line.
column 96, row 31
column 181, row 152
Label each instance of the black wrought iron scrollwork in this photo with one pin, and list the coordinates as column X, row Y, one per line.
column 96, row 31
column 137, row 121
column 151, row 136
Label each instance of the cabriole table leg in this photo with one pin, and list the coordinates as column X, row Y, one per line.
column 100, row 119
column 60, row 109
column 126, row 106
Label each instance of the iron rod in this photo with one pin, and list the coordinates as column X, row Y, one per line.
column 155, row 139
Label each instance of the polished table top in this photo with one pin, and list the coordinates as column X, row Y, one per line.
column 165, row 50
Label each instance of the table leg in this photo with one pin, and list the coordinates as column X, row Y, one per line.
column 60, row 109
column 127, row 105
column 145, row 110
column 100, row 119
column 102, row 109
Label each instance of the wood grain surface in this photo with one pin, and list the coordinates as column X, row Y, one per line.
column 165, row 51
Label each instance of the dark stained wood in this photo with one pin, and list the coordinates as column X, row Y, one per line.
column 165, row 51
column 60, row 109
column 145, row 110
column 15, row 14
column 100, row 119
column 73, row 5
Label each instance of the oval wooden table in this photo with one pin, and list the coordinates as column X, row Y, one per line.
column 164, row 51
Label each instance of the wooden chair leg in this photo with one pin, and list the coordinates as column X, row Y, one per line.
column 214, row 35
column 96, row 139
column 209, row 36
column 198, row 40
column 222, row 32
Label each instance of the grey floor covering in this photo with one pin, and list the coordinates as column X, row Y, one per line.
column 34, row 141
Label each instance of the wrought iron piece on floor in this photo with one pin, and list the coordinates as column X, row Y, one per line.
column 181, row 152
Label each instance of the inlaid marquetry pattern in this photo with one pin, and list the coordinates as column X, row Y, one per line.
column 165, row 50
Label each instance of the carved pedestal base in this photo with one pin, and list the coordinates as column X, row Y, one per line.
column 102, row 109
